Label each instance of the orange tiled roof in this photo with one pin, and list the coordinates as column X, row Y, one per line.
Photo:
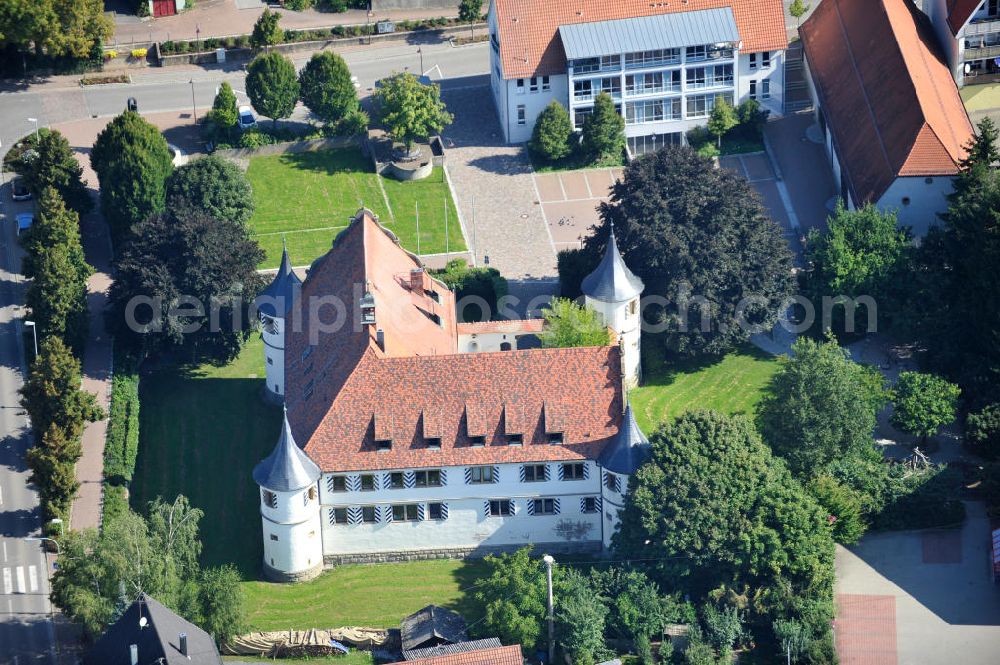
column 497, row 656
column 529, row 29
column 533, row 326
column 886, row 92
column 419, row 386
column 959, row 13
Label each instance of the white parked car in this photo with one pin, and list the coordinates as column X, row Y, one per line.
column 247, row 118
column 24, row 221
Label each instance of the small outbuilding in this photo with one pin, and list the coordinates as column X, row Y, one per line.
column 432, row 626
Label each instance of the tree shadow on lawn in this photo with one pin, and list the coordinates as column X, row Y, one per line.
column 329, row 162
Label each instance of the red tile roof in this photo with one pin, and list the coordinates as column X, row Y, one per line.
column 532, row 326
column 529, row 29
column 361, row 393
column 959, row 13
column 497, row 656
column 886, row 92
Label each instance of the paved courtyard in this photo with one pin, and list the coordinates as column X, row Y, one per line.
column 918, row 597
column 569, row 202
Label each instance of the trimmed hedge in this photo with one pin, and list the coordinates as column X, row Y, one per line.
column 121, row 446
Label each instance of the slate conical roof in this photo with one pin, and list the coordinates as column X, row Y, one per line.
column 629, row 449
column 287, row 468
column 283, row 289
column 612, row 281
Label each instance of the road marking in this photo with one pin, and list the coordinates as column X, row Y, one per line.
column 32, row 579
column 7, row 587
column 5, row 550
column 20, row 579
column 1, row 495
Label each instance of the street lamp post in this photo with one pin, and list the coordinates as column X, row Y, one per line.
column 39, row 539
column 34, row 334
column 35, row 120
column 194, row 108
column 421, row 52
column 552, row 631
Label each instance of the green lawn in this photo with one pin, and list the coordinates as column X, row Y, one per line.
column 375, row 596
column 308, row 197
column 732, row 384
column 201, row 433
column 981, row 97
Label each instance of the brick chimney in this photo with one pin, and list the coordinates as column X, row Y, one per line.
column 417, row 280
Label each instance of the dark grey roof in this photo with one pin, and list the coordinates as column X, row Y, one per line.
column 282, row 290
column 648, row 33
column 430, row 627
column 157, row 643
column 629, row 449
column 612, row 281
column 451, row 649
column 287, row 468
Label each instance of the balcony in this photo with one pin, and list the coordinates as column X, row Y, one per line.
column 983, row 26
column 589, row 96
column 982, row 53
column 658, row 90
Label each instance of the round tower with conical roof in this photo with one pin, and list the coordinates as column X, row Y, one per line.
column 619, row 461
column 273, row 304
column 613, row 291
column 290, row 511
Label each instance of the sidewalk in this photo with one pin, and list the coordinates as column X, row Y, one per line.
column 223, row 19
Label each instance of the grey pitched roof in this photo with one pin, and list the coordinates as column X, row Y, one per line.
column 629, row 449
column 287, row 468
column 612, row 281
column 433, row 625
column 157, row 642
column 279, row 296
column 648, row 33
column 452, row 649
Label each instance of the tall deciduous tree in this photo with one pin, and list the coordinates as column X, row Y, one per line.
column 713, row 510
column 819, row 406
column 699, row 237
column 52, row 394
column 798, row 9
column 178, row 267
column 569, row 324
column 553, row 132
column 272, row 85
column 266, row 31
column 580, row 617
column 132, row 162
column 327, row 88
column 604, row 130
column 215, row 186
column 923, row 403
column 410, row 109
column 52, row 164
column 513, row 594
column 225, row 111
column 222, row 602
column 722, row 119
column 72, row 28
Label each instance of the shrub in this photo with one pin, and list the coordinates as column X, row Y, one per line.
column 229, row 42
column 182, row 47
column 922, row 499
column 467, row 282
column 551, row 137
column 111, row 55
column 167, row 47
column 122, row 440
column 298, row 5
column 843, row 507
column 254, row 138
column 353, row 124
column 982, row 432
column 138, row 53
column 211, row 44
column 708, row 150
column 243, row 41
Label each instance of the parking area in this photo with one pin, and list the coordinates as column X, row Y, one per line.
column 569, row 202
column 919, row 597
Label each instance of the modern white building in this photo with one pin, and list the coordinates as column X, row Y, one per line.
column 273, row 304
column 894, row 125
column 969, row 33
column 416, row 443
column 664, row 63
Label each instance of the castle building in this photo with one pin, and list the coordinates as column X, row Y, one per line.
column 273, row 304
column 419, row 436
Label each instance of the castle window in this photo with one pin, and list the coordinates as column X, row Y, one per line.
column 477, row 441
column 427, row 478
column 396, row 480
column 367, row 483
column 270, row 499
column 632, row 307
column 434, row 442
column 499, row 508
column 515, row 439
column 437, row 511
column 544, row 507
column 573, row 471
column 311, row 494
column 338, row 483
column 555, row 438
column 274, row 538
column 407, row 513
column 534, row 473
column 611, row 482
column 270, row 361
column 589, row 505
column 369, row 515
column 383, row 444
column 338, row 516
column 481, row 475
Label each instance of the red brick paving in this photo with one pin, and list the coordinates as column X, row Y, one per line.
column 865, row 629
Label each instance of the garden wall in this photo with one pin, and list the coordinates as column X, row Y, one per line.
column 424, row 35
column 294, row 146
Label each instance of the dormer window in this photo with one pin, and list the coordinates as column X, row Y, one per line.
column 555, row 438
column 477, row 441
column 433, row 295
column 368, row 308
column 515, row 439
column 434, row 443
column 383, row 444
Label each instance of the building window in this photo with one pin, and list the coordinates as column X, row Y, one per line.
column 338, row 484
column 407, row 513
column 589, row 505
column 544, row 507
column 308, row 496
column 573, row 471
column 545, row 83
column 367, row 483
column 274, row 538
column 753, row 61
column 612, row 482
column 437, row 511
column 753, row 89
column 270, row 499
column 582, row 89
column 535, row 473
column 611, row 61
column 696, row 77
column 369, row 515
column 430, row 478
column 522, row 117
column 499, row 508
column 533, row 84
column 765, row 59
column 477, row 441
column 692, row 53
column 481, row 475
column 612, row 85
column 338, row 516
column 520, row 86
column 270, row 361
column 515, row 439
column 700, row 106
column 555, row 437
column 396, row 480
column 383, row 444
column 765, row 89
column 579, row 116
column 434, row 442
column 652, row 58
